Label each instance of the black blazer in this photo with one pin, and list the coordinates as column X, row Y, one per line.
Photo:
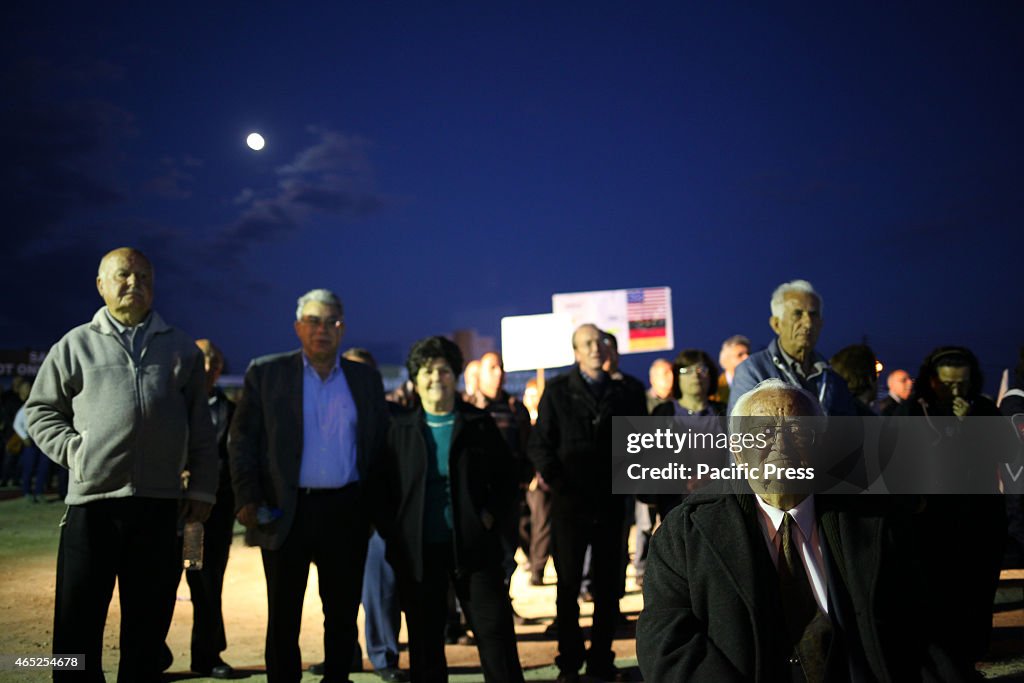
column 482, row 473
column 265, row 443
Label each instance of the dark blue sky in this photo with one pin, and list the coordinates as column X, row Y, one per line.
column 441, row 167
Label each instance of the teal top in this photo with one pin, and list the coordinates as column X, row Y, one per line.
column 437, row 506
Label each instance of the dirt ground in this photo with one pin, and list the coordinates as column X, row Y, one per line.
column 28, row 542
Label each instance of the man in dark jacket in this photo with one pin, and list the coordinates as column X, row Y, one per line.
column 304, row 439
column 571, row 448
column 763, row 581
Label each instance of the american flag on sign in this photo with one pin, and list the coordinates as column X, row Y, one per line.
column 646, row 312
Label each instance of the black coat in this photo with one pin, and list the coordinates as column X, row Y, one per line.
column 571, row 444
column 482, row 477
column 712, row 610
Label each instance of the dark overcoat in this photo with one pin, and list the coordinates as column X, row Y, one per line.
column 712, row 610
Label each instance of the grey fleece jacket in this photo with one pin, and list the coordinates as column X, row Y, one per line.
column 125, row 429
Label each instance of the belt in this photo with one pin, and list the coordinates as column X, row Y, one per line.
column 319, row 491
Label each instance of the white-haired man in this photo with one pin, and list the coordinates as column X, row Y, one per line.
column 796, row 320
column 304, row 439
column 761, row 579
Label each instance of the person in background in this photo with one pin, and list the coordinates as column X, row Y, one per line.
column 948, row 386
column 899, row 384
column 539, row 501
column 1012, row 406
column 33, row 462
column 470, row 379
column 660, row 377
column 11, row 401
column 662, row 382
column 382, row 615
column 948, row 392
column 531, row 399
column 796, row 320
column 513, row 422
column 206, row 585
column 570, row 445
column 856, row 365
column 734, row 351
column 444, row 492
column 695, row 408
column 126, row 467
column 693, row 391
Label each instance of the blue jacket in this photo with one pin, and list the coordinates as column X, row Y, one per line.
column 830, row 388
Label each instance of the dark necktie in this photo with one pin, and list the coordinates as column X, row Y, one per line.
column 798, row 604
column 809, row 630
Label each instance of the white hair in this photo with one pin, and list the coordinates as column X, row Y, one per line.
column 779, row 295
column 324, row 296
column 774, row 384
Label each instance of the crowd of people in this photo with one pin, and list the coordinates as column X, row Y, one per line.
column 418, row 501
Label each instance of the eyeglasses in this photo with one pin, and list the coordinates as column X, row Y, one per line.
column 317, row 321
column 796, row 433
column 699, row 370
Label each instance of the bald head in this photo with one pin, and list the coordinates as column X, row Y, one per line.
column 125, row 282
column 114, row 255
column 900, row 384
column 589, row 350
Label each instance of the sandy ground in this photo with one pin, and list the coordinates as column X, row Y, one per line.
column 28, row 541
column 26, row 611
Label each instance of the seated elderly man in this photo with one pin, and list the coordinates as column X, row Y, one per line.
column 763, row 580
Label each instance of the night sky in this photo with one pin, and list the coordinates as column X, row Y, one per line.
column 441, row 167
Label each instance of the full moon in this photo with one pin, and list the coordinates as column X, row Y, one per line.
column 255, row 141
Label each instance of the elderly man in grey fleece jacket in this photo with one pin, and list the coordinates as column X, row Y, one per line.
column 121, row 403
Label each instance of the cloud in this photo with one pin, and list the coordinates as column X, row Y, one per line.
column 332, row 176
column 244, row 197
column 333, row 152
column 71, row 192
column 170, row 185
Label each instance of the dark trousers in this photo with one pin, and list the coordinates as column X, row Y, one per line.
column 134, row 541
column 381, row 613
column 484, row 598
column 540, row 530
column 572, row 532
column 34, row 462
column 330, row 529
column 205, row 585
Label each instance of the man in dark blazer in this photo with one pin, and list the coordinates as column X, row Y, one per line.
column 721, row 585
column 303, row 443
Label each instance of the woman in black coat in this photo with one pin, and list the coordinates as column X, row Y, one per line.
column 448, row 485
